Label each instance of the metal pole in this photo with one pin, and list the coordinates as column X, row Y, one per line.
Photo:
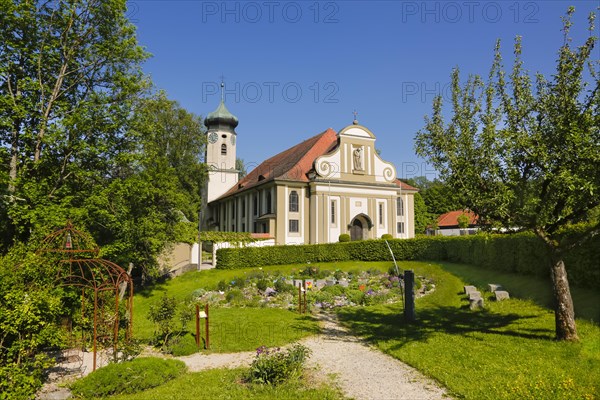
column 304, row 289
column 197, row 325
column 95, row 322
column 299, row 298
column 207, row 334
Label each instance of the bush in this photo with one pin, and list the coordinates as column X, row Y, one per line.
column 344, row 237
column 281, row 286
column 234, row 296
column 263, row 284
column 335, row 290
column 522, row 253
column 274, row 366
column 386, row 236
column 162, row 314
column 128, row 377
column 222, row 286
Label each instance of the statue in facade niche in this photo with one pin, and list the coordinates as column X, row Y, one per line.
column 358, row 162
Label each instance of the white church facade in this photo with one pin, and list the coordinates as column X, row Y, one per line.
column 330, row 184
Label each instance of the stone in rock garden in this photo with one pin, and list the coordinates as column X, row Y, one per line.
column 270, row 291
column 475, row 304
column 330, row 282
column 501, row 295
column 469, row 289
column 474, row 295
column 343, row 283
column 494, row 286
column 319, row 283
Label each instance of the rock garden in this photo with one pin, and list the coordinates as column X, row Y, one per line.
column 325, row 289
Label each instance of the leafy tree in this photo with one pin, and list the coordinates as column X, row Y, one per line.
column 69, row 74
column 525, row 154
column 438, row 196
column 422, row 217
column 463, row 221
column 241, row 167
column 31, row 309
column 174, row 137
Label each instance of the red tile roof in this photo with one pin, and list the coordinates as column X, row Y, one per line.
column 450, row 219
column 404, row 185
column 291, row 164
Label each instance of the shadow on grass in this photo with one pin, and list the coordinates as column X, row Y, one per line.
column 149, row 289
column 387, row 323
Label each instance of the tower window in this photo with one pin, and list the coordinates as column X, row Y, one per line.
column 381, row 214
column 293, row 201
column 293, row 226
column 223, row 149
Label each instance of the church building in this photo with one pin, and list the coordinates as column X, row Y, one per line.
column 332, row 183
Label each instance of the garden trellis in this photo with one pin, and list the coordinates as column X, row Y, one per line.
column 75, row 257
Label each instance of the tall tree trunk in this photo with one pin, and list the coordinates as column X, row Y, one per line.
column 564, row 311
column 14, row 159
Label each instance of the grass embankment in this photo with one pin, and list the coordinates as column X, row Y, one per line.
column 227, row 384
column 504, row 351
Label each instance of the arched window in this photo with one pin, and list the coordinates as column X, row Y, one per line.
column 223, row 149
column 399, row 207
column 293, row 201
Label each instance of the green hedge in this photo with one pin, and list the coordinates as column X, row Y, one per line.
column 522, row 253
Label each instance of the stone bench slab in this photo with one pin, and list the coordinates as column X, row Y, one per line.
column 474, row 295
column 494, row 286
column 469, row 289
column 475, row 304
column 501, row 295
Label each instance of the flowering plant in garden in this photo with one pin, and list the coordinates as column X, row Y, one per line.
column 273, row 366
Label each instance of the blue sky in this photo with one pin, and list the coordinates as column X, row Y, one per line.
column 295, row 68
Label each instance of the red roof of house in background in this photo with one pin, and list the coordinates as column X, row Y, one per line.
column 291, row 164
column 450, row 219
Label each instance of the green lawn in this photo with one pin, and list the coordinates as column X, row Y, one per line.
column 505, row 351
column 586, row 301
column 227, row 384
column 231, row 329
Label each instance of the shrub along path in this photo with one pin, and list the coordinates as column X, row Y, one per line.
column 362, row 372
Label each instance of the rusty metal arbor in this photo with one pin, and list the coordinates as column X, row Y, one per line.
column 74, row 254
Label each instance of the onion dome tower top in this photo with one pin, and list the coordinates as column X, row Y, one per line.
column 221, row 116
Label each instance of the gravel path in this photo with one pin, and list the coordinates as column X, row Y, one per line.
column 363, row 372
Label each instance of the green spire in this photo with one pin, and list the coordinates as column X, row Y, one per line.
column 221, row 116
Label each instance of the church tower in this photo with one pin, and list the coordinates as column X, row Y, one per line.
column 220, row 151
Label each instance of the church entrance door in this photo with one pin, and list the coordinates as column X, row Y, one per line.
column 356, row 231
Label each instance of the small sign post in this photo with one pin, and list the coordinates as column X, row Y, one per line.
column 207, row 333
column 202, row 315
column 197, row 325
